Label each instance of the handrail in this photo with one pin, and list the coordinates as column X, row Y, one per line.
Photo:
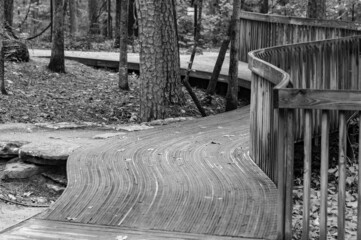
column 295, row 88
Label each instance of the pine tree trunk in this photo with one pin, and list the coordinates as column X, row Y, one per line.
column 316, row 9
column 123, row 46
column 73, row 17
column 9, row 13
column 2, row 30
column 232, row 90
column 159, row 58
column 94, row 27
column 57, row 50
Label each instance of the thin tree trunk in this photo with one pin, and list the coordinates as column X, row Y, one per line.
column 2, row 30
column 35, row 16
column 52, row 19
column 211, row 89
column 232, row 90
column 73, row 17
column 197, row 25
column 94, row 27
column 109, row 20
column 264, row 6
column 9, row 13
column 159, row 60
column 117, row 23
column 316, row 9
column 123, row 46
column 57, row 50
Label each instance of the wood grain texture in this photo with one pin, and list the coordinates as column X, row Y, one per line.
column 194, row 177
column 318, row 99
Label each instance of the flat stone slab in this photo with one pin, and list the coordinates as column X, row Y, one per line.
column 108, row 135
column 41, row 152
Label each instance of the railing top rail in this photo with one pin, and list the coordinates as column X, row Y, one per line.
column 276, row 75
column 300, row 21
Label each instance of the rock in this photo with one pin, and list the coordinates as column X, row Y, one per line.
column 107, row 135
column 49, row 153
column 19, row 169
column 16, row 51
column 55, row 187
column 10, row 149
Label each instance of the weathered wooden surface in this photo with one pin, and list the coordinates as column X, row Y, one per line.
column 202, row 66
column 48, row 230
column 194, row 177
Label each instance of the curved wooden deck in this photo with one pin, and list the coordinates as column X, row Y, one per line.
column 191, row 180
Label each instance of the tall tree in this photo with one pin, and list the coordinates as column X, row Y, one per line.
column 232, row 90
column 316, row 9
column 93, row 8
column 57, row 50
column 73, row 17
column 9, row 13
column 2, row 31
column 123, row 46
column 159, row 58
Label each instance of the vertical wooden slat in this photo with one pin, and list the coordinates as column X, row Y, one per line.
column 342, row 177
column 307, row 174
column 289, row 174
column 282, row 168
column 324, row 174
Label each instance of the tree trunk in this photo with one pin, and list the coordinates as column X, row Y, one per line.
column 73, row 8
column 232, row 90
column 316, row 9
column 264, row 6
column 9, row 13
column 159, row 58
column 117, row 23
column 211, row 89
column 57, row 50
column 132, row 25
column 123, row 46
column 35, row 16
column 94, row 27
column 109, row 20
column 2, row 30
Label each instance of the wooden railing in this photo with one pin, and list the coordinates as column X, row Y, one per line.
column 299, row 91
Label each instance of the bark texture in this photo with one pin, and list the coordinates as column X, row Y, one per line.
column 2, row 30
column 9, row 12
column 159, row 58
column 232, row 90
column 123, row 43
column 73, row 17
column 94, row 27
column 117, row 24
column 316, row 9
column 57, row 50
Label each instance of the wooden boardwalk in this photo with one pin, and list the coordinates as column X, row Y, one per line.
column 190, row 180
column 202, row 66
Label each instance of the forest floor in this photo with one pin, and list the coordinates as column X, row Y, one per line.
column 81, row 95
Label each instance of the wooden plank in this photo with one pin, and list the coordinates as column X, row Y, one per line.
column 318, row 99
column 342, row 177
column 324, row 173
column 307, row 175
column 359, row 183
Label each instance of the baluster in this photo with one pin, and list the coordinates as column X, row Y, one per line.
column 359, row 183
column 324, row 173
column 342, row 176
column 289, row 173
column 307, row 174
